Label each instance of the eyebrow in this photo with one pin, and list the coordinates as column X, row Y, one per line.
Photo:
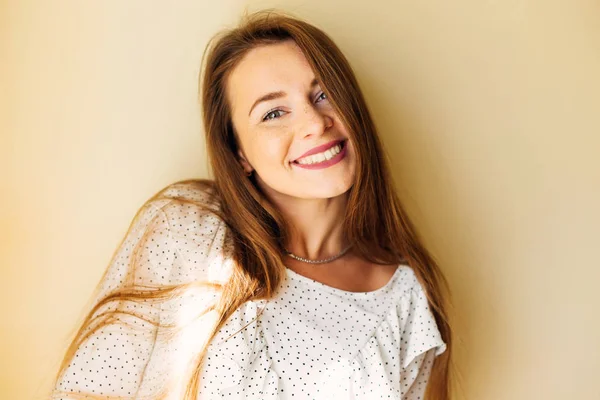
column 276, row 95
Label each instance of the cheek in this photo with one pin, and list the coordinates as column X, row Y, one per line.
column 273, row 150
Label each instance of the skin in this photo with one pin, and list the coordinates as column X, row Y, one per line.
column 276, row 132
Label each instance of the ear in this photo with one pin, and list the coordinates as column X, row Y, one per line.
column 244, row 162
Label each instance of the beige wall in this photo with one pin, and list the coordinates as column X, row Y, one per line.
column 490, row 110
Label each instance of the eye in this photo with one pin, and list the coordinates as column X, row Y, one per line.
column 322, row 94
column 272, row 112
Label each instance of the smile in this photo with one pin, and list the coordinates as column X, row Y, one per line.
column 329, row 157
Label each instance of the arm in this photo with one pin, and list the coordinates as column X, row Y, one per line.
column 123, row 351
column 114, row 345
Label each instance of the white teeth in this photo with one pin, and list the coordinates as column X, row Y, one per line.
column 320, row 157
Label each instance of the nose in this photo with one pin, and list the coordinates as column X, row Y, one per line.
column 315, row 121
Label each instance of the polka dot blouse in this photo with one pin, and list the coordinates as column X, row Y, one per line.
column 311, row 341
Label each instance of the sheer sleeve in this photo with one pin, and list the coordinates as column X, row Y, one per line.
column 126, row 352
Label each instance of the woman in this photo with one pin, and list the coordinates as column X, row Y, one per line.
column 295, row 273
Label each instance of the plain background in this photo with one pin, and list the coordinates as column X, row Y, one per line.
column 490, row 111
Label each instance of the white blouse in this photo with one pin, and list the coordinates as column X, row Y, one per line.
column 311, row 341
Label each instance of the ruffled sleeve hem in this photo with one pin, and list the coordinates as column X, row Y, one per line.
column 419, row 331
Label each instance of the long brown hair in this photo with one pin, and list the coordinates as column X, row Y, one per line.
column 375, row 220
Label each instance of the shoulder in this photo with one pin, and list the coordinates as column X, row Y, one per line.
column 192, row 211
column 200, row 193
column 176, row 237
column 188, row 208
column 412, row 294
column 177, row 201
column 200, row 190
column 408, row 281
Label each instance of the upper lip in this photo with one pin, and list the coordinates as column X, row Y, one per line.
column 320, row 148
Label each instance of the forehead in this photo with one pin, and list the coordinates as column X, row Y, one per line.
column 267, row 68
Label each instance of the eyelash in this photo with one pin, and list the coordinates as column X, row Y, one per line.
column 265, row 119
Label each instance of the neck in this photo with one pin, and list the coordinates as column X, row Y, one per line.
column 315, row 226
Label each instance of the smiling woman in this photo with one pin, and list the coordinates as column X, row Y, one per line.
column 295, row 273
column 293, row 120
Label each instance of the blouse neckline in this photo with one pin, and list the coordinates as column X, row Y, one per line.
column 311, row 282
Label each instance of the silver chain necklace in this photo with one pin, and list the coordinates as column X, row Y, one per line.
column 318, row 261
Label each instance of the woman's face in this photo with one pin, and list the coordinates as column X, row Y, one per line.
column 294, row 118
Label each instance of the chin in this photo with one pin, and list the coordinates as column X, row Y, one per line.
column 328, row 191
column 327, row 188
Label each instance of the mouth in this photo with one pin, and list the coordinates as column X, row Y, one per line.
column 341, row 142
column 323, row 160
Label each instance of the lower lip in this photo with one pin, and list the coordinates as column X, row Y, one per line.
column 327, row 163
